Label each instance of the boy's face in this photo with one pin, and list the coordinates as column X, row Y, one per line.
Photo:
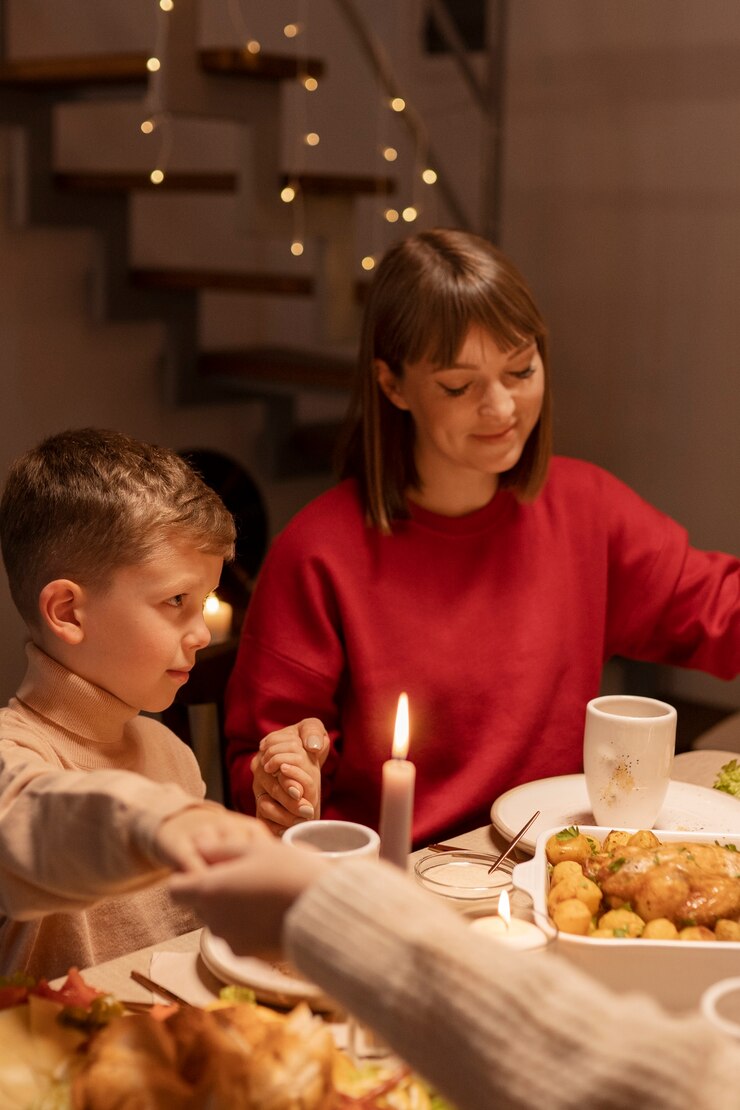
column 141, row 634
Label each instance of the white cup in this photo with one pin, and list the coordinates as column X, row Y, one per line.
column 628, row 747
column 336, row 840
column 720, row 1004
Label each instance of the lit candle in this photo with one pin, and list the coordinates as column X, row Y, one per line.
column 514, row 932
column 218, row 616
column 397, row 797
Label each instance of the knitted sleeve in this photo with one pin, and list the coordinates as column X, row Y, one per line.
column 489, row 1027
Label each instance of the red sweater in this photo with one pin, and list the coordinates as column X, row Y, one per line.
column 497, row 624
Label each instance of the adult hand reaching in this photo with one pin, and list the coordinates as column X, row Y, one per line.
column 246, row 898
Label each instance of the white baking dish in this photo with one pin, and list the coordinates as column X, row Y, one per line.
column 673, row 971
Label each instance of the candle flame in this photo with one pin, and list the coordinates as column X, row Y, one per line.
column 401, row 732
column 504, row 909
column 212, row 604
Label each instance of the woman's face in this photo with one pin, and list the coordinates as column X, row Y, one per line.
column 471, row 419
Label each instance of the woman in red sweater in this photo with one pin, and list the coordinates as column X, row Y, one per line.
column 459, row 562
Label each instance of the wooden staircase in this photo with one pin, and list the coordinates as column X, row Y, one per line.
column 232, row 84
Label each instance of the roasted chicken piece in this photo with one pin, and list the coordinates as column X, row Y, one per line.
column 683, row 882
column 238, row 1058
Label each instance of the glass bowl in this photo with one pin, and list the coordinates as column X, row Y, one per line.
column 462, row 876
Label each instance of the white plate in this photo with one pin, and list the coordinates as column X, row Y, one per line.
column 269, row 983
column 563, row 801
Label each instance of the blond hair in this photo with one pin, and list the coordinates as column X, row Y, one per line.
column 428, row 291
column 86, row 502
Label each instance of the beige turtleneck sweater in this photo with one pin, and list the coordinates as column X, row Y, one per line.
column 84, row 783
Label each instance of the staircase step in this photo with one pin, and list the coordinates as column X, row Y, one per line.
column 242, row 282
column 230, row 61
column 101, row 69
column 92, row 69
column 115, row 182
column 311, row 369
column 311, row 184
column 334, row 184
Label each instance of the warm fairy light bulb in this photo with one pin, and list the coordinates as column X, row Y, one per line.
column 368, row 262
column 409, row 214
column 398, row 104
column 390, row 154
column 311, row 139
column 391, row 215
column 147, row 126
column 428, row 176
column 287, row 194
column 252, row 47
column 296, row 247
column 166, row 5
column 310, row 84
column 156, row 177
column 290, row 30
column 153, row 64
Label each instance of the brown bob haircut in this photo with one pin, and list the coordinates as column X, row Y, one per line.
column 85, row 503
column 428, row 291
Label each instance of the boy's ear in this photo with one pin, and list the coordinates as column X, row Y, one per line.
column 59, row 606
column 389, row 383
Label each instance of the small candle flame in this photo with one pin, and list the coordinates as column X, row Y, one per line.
column 401, row 732
column 212, row 604
column 504, row 909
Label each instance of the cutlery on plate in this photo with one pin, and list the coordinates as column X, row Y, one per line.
column 513, row 843
column 157, row 988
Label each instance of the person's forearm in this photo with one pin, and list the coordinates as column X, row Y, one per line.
column 69, row 838
column 489, row 1027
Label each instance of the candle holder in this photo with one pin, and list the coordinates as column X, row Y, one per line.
column 464, row 879
column 517, row 924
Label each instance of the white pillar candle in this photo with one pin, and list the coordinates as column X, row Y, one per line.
column 218, row 616
column 397, row 797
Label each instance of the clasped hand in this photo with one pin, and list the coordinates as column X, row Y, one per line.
column 287, row 774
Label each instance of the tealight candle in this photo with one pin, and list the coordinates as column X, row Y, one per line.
column 218, row 616
column 397, row 797
column 514, row 932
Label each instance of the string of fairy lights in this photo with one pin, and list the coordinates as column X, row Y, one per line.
column 158, row 121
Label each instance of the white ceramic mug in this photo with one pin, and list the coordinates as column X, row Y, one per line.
column 628, row 747
column 335, row 840
column 720, row 1004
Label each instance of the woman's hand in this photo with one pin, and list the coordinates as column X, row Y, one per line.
column 287, row 774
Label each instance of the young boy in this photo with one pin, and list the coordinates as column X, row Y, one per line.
column 111, row 547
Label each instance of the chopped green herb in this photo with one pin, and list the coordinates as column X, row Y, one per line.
column 568, row 834
column 617, row 863
column 622, row 931
column 728, row 778
column 237, row 994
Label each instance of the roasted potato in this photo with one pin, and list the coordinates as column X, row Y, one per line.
column 660, row 928
column 572, row 916
column 615, row 839
column 568, row 844
column 566, row 867
column 622, row 923
column 696, row 932
column 727, row 930
column 643, row 839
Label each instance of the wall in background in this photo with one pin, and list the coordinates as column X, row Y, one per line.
column 622, row 206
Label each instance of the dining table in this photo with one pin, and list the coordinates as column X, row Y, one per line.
column 177, row 963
